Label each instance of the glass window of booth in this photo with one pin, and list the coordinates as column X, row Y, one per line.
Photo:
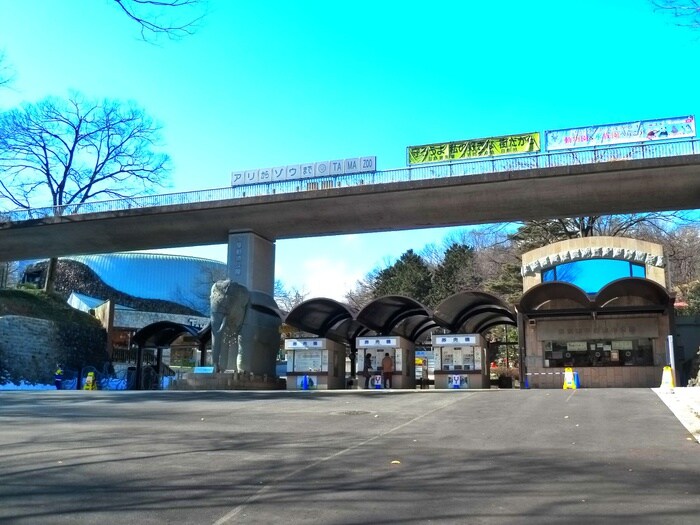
column 628, row 352
column 459, row 358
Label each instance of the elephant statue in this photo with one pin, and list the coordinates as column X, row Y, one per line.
column 244, row 329
column 229, row 306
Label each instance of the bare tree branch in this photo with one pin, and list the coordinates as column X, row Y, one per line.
column 181, row 19
column 60, row 152
column 687, row 12
column 287, row 299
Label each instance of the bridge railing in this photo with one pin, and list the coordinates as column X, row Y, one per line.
column 412, row 173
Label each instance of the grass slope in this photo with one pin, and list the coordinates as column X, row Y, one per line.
column 38, row 304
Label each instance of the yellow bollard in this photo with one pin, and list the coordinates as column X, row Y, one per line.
column 569, row 379
column 90, row 383
column 667, row 378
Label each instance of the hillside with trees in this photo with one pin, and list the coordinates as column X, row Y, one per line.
column 489, row 258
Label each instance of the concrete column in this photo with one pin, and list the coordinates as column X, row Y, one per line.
column 251, row 261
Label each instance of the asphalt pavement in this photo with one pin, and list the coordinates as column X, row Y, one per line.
column 589, row 456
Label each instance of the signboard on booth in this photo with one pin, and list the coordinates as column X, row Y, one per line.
column 378, row 342
column 457, row 381
column 309, row 360
column 455, row 340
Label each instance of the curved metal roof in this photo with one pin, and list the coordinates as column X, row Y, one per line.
column 326, row 318
column 649, row 291
column 162, row 334
column 184, row 280
column 473, row 312
column 397, row 315
column 539, row 296
column 610, row 299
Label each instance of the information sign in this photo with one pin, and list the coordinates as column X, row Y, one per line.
column 329, row 168
column 308, row 360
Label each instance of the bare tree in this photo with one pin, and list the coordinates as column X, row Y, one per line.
column 287, row 299
column 67, row 152
column 198, row 293
column 687, row 12
column 364, row 291
column 537, row 233
column 180, row 19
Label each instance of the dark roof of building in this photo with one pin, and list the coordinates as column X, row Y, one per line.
column 397, row 315
column 162, row 334
column 326, row 318
column 472, row 312
column 540, row 298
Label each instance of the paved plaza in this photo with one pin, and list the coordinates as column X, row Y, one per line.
column 355, row 457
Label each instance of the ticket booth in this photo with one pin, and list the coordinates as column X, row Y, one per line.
column 459, row 361
column 402, row 352
column 315, row 364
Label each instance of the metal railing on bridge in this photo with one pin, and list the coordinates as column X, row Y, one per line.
column 420, row 172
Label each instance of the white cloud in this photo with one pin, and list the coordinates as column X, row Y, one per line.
column 325, row 277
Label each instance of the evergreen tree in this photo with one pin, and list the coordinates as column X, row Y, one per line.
column 508, row 284
column 456, row 272
column 409, row 276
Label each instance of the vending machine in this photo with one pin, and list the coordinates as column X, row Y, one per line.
column 315, row 364
column 403, row 356
column 459, row 361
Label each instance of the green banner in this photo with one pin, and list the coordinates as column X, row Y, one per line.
column 469, row 149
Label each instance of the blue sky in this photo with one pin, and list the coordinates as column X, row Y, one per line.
column 266, row 83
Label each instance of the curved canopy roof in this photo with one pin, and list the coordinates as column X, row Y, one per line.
column 537, row 297
column 649, row 291
column 471, row 312
column 162, row 334
column 397, row 315
column 326, row 318
column 654, row 297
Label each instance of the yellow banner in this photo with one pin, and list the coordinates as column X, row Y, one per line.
column 469, row 149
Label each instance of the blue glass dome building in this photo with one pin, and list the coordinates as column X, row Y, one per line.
column 183, row 280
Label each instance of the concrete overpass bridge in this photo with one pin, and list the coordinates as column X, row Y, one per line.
column 639, row 178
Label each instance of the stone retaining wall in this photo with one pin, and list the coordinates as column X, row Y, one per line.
column 31, row 348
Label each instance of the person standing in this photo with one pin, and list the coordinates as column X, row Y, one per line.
column 387, row 370
column 58, row 377
column 366, row 369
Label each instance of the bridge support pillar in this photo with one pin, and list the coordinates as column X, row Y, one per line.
column 251, row 261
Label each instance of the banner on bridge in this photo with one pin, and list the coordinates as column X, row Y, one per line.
column 625, row 133
column 329, row 168
column 468, row 149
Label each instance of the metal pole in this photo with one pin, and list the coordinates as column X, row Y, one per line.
column 505, row 327
column 672, row 359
